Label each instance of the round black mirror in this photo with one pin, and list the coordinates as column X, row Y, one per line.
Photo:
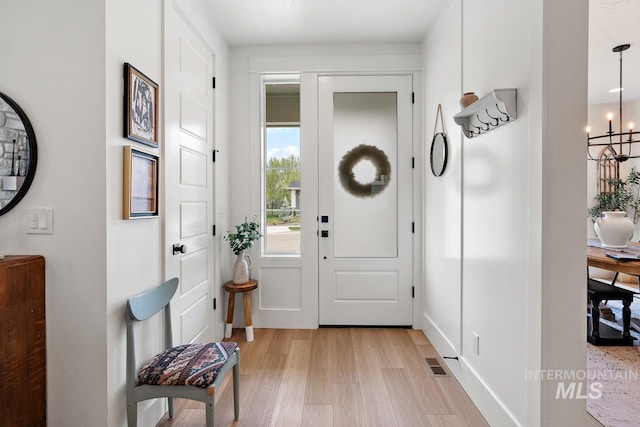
column 18, row 154
column 439, row 154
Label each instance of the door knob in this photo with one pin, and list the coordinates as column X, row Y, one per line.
column 179, row 249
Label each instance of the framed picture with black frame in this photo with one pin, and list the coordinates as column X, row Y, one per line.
column 140, row 184
column 140, row 107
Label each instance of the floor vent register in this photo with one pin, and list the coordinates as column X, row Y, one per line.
column 435, row 367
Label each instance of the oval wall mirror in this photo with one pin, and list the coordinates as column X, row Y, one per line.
column 18, row 154
column 439, row 154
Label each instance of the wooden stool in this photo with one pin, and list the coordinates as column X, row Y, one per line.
column 246, row 289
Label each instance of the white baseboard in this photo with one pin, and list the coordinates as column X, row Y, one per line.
column 489, row 405
column 149, row 416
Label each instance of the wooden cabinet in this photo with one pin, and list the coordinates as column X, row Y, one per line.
column 23, row 374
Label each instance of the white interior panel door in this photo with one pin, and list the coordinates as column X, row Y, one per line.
column 365, row 203
column 188, row 146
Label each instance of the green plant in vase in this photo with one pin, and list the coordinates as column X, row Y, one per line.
column 616, row 212
column 245, row 234
column 624, row 196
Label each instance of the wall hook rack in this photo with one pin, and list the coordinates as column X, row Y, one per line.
column 493, row 110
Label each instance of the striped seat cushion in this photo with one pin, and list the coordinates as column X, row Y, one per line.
column 189, row 364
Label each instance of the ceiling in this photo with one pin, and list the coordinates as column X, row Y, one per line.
column 286, row 22
column 611, row 23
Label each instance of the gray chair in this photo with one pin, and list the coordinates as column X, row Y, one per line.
column 191, row 371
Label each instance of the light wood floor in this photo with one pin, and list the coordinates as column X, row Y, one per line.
column 336, row 377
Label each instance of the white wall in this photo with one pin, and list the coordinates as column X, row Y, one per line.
column 496, row 186
column 54, row 68
column 134, row 248
column 559, row 307
column 519, row 236
column 443, row 203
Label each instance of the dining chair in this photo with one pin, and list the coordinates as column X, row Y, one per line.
column 189, row 371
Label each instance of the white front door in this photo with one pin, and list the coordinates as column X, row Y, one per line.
column 365, row 200
column 188, row 145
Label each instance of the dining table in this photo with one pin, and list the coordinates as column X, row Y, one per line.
column 619, row 260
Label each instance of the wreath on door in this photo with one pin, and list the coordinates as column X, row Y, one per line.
column 354, row 156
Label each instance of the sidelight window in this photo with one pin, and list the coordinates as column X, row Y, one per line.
column 281, row 184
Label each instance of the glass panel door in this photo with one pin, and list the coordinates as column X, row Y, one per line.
column 365, row 200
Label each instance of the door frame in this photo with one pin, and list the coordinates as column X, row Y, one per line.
column 310, row 69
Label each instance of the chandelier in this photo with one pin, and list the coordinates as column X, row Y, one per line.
column 616, row 145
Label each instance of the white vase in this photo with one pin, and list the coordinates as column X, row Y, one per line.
column 615, row 230
column 240, row 269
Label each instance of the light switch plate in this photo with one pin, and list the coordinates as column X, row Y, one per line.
column 39, row 221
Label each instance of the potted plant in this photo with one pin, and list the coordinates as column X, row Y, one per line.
column 624, row 196
column 243, row 238
column 620, row 207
